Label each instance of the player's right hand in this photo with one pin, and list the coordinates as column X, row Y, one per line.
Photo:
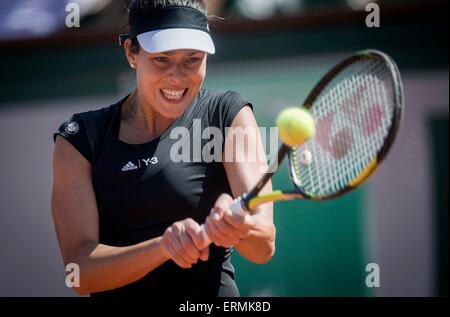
column 185, row 243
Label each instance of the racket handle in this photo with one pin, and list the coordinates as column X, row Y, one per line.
column 236, row 207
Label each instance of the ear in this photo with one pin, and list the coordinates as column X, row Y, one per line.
column 131, row 57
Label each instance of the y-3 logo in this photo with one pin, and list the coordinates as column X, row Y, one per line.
column 140, row 163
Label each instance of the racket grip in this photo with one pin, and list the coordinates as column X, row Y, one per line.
column 236, row 207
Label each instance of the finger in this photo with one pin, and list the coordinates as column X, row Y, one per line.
column 189, row 246
column 216, row 240
column 198, row 236
column 177, row 228
column 168, row 243
column 216, row 236
column 176, row 243
column 231, row 231
column 244, row 221
column 223, row 202
column 176, row 258
column 222, row 225
column 204, row 254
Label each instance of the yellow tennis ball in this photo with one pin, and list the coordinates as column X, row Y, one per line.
column 295, row 126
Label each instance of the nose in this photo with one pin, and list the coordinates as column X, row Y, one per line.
column 176, row 73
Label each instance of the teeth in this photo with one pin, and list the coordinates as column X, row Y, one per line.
column 173, row 94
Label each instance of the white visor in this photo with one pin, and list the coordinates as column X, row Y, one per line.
column 176, row 39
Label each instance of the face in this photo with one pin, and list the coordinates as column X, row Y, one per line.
column 169, row 81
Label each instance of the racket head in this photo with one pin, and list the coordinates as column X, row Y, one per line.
column 357, row 108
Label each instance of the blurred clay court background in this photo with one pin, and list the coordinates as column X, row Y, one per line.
column 273, row 52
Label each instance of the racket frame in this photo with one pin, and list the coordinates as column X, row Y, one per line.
column 396, row 119
column 251, row 200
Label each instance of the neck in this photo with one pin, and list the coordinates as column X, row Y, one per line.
column 143, row 117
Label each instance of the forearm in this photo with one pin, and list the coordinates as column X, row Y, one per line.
column 259, row 245
column 104, row 267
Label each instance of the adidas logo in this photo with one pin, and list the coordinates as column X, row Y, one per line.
column 129, row 166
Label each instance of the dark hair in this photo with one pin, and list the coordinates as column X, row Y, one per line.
column 143, row 6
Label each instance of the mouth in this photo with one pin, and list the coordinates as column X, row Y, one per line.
column 172, row 95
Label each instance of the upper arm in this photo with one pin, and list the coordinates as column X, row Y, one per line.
column 74, row 207
column 248, row 162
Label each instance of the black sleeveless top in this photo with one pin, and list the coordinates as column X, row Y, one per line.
column 140, row 190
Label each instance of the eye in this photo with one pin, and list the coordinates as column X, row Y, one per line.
column 161, row 60
column 193, row 60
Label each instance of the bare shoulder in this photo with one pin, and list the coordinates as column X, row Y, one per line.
column 244, row 118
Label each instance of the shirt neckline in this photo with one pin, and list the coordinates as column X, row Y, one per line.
column 114, row 129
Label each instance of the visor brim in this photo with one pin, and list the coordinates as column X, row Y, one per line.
column 175, row 39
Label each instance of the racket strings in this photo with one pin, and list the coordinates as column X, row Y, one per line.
column 353, row 115
column 354, row 120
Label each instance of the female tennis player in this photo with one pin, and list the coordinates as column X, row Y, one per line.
column 124, row 209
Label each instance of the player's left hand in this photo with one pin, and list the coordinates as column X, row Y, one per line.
column 224, row 227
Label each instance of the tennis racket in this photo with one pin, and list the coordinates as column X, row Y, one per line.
column 357, row 109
